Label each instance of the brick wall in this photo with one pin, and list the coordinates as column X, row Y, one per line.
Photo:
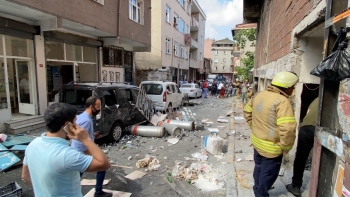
column 278, row 19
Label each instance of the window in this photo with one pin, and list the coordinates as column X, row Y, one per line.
column 167, row 14
column 225, row 52
column 176, row 18
column 188, row 9
column 224, row 60
column 155, row 89
column 188, row 29
column 216, row 68
column 182, row 2
column 134, row 11
column 167, row 46
column 223, row 67
column 181, row 26
column 110, row 98
column 216, row 52
column 216, row 60
column 176, row 49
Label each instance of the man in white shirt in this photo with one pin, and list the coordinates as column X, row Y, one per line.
column 24, row 89
column 219, row 88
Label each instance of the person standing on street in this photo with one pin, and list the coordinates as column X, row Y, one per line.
column 221, row 85
column 304, row 146
column 214, row 87
column 245, row 86
column 205, row 86
column 50, row 166
column 84, row 120
column 271, row 117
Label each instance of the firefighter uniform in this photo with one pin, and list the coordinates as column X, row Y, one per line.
column 270, row 116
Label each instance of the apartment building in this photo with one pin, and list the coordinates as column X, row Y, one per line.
column 222, row 59
column 177, row 39
column 288, row 45
column 44, row 44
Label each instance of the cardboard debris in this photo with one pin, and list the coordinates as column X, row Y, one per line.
column 93, row 181
column 249, row 157
column 135, row 175
column 222, row 120
column 115, row 193
column 7, row 159
column 173, row 140
column 122, row 166
column 213, row 130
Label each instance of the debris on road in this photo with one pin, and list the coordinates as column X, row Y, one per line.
column 213, row 144
column 222, row 120
column 135, row 175
column 171, row 129
column 173, row 140
column 130, row 157
column 199, row 156
column 93, row 181
column 213, row 130
column 3, row 137
column 243, row 180
column 115, row 193
column 239, row 160
column 122, row 166
column 151, row 162
column 187, row 125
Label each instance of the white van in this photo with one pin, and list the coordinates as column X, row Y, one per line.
column 163, row 99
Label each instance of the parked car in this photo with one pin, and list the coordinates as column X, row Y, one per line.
column 117, row 101
column 193, row 90
column 163, row 99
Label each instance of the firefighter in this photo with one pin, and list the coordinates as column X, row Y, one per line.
column 270, row 116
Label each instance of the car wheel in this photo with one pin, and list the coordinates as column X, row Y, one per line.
column 116, row 132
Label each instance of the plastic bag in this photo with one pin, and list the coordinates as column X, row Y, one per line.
column 336, row 66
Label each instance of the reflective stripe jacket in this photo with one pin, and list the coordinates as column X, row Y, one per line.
column 271, row 118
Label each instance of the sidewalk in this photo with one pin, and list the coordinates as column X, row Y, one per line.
column 243, row 163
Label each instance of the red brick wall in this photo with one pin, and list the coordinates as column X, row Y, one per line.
column 276, row 25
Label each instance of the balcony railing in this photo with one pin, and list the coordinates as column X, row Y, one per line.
column 194, row 24
column 194, row 44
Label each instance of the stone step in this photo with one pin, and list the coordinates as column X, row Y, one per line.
column 24, row 121
column 26, row 127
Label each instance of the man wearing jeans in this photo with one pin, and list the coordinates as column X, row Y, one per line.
column 205, row 86
column 84, row 120
column 305, row 144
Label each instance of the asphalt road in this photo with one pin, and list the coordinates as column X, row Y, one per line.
column 154, row 183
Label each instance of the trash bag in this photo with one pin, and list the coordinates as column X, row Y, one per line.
column 336, row 66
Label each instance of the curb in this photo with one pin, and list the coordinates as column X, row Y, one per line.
column 231, row 183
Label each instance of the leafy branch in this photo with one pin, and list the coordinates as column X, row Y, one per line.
column 248, row 64
column 245, row 35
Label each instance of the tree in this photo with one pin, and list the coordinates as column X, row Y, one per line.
column 242, row 37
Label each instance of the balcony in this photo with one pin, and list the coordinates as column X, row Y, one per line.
column 194, row 63
column 194, row 24
column 194, row 44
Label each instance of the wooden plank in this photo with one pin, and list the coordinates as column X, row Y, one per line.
column 315, row 168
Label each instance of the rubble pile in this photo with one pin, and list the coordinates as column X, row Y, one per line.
column 151, row 162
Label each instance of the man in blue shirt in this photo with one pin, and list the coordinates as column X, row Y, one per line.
column 50, row 166
column 84, row 120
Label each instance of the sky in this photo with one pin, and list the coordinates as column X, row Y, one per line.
column 222, row 16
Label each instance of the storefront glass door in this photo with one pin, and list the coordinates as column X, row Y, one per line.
column 25, row 87
column 5, row 109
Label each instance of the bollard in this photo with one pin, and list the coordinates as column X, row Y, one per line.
column 188, row 125
column 171, row 129
column 148, row 131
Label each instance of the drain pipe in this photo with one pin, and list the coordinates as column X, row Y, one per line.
column 118, row 21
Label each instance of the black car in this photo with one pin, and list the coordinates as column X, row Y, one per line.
column 118, row 101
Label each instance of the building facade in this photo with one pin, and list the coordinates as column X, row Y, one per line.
column 44, row 45
column 222, row 59
column 288, row 45
column 177, row 39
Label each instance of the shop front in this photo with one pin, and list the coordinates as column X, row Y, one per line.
column 17, row 78
column 67, row 63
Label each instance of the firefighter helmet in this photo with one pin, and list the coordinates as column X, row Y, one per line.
column 285, row 79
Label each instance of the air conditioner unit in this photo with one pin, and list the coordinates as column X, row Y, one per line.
column 102, row 2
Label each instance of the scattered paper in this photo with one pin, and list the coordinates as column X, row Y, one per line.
column 135, row 175
column 93, row 181
column 239, row 160
column 209, row 123
column 239, row 118
column 249, row 157
column 115, row 193
column 213, row 130
column 221, row 117
column 205, row 120
column 222, row 120
column 173, row 140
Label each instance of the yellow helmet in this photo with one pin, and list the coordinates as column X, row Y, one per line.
column 285, row 79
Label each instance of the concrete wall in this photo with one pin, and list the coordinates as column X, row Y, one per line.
column 103, row 17
column 207, row 48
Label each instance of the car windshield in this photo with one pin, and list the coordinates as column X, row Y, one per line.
column 76, row 97
column 155, row 89
column 186, row 86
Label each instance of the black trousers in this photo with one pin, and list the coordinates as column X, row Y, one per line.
column 265, row 173
column 305, row 144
